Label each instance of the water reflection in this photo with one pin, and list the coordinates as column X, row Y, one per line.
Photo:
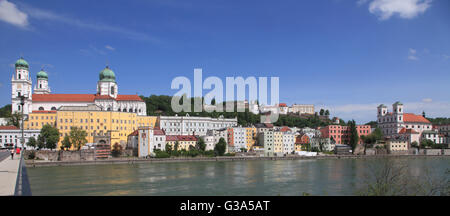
column 317, row 177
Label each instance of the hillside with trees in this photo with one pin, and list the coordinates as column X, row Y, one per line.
column 160, row 105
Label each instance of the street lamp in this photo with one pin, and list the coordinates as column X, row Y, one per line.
column 22, row 103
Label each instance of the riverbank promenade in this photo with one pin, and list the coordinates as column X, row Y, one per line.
column 8, row 173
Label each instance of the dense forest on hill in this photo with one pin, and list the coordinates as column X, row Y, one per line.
column 5, row 112
column 439, row 121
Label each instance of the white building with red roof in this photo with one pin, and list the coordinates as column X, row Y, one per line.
column 149, row 140
column 397, row 122
column 107, row 96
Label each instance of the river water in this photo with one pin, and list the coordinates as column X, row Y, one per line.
column 281, row 177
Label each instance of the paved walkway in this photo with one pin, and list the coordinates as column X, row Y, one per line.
column 4, row 155
column 8, row 175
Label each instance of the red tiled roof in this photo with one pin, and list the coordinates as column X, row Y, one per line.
column 63, row 97
column 302, row 139
column 135, row 133
column 268, row 125
column 285, row 129
column 409, row 117
column 103, row 97
column 282, row 105
column 10, row 127
column 408, row 131
column 80, row 97
column 159, row 132
column 128, row 98
column 180, row 138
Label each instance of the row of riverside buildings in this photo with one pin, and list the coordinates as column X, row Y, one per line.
column 109, row 117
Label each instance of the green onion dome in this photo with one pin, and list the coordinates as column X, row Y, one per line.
column 21, row 63
column 107, row 75
column 42, row 75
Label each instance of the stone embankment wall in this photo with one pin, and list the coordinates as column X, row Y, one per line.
column 48, row 155
column 83, row 155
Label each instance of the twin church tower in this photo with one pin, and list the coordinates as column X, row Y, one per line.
column 21, row 86
column 106, row 98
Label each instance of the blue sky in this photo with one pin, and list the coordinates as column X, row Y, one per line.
column 344, row 55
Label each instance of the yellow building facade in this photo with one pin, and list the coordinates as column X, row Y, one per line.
column 37, row 120
column 278, row 141
column 184, row 141
column 250, row 137
column 118, row 124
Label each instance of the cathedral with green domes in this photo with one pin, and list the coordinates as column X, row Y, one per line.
column 40, row 98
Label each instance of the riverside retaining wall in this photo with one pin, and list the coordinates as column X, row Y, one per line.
column 48, row 155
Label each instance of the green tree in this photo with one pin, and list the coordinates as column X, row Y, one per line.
column 5, row 112
column 168, row 149
column 161, row 154
column 321, row 112
column 220, row 147
column 32, row 142
column 117, row 150
column 426, row 143
column 177, row 144
column 15, row 119
column 77, row 137
column 327, row 112
column 66, row 144
column 354, row 137
column 40, row 142
column 377, row 134
column 49, row 137
column 201, row 146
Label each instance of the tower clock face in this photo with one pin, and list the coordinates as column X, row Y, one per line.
column 19, row 86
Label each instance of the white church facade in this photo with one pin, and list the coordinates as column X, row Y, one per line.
column 397, row 122
column 107, row 96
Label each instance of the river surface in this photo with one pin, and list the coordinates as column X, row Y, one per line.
column 272, row 178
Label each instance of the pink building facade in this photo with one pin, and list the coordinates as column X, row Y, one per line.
column 341, row 134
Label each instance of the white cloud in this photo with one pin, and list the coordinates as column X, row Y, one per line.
column 110, row 47
column 10, row 14
column 45, row 15
column 427, row 100
column 92, row 50
column 412, row 55
column 406, row 9
column 413, row 58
